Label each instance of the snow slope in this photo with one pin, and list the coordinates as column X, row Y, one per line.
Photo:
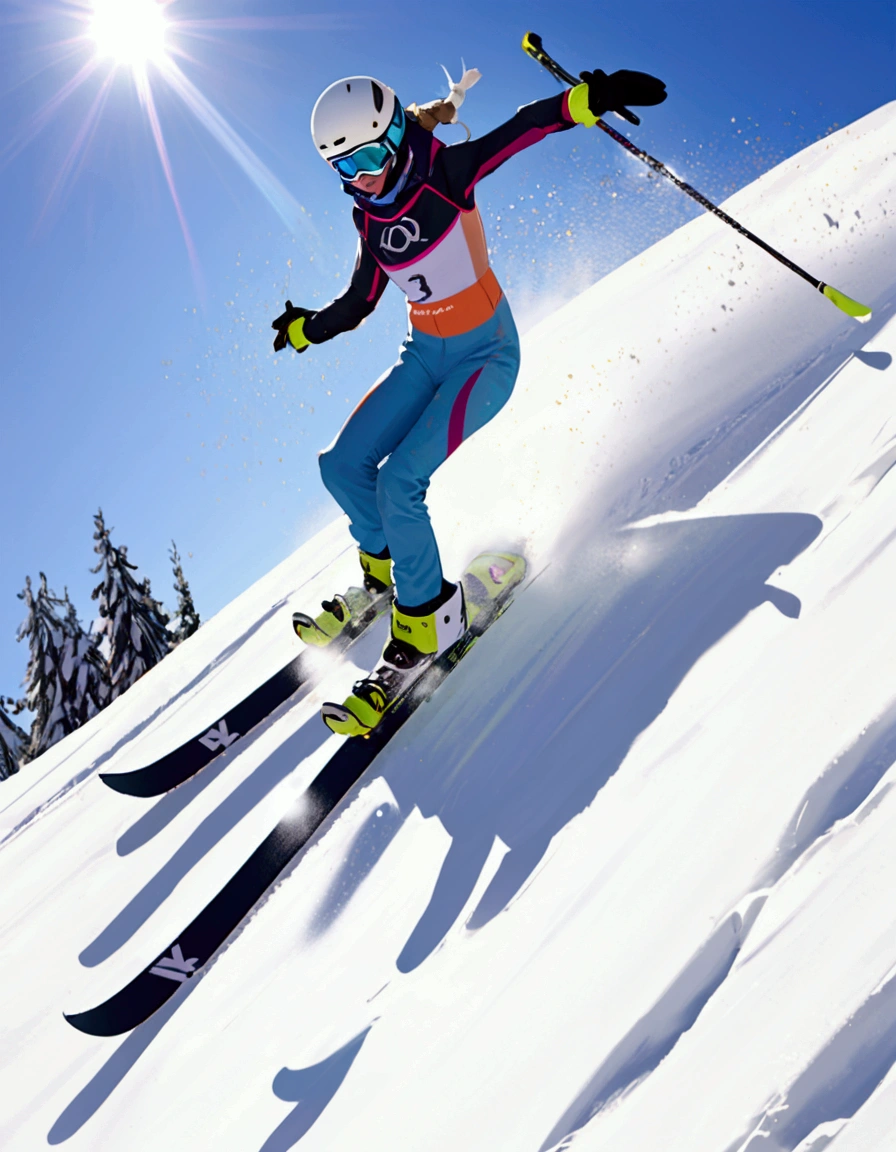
column 626, row 881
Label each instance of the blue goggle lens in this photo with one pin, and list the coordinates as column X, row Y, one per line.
column 371, row 159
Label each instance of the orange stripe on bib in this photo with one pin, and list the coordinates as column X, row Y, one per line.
column 460, row 313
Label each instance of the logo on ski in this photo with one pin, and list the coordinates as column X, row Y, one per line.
column 497, row 573
column 219, row 737
column 175, row 967
column 401, row 236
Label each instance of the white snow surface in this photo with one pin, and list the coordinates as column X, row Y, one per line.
column 627, row 881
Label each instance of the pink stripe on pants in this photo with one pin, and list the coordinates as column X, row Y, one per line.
column 459, row 413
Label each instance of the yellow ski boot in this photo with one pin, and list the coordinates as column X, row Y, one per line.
column 352, row 606
column 418, row 636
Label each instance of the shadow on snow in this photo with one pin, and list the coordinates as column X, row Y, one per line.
column 589, row 677
column 311, row 1089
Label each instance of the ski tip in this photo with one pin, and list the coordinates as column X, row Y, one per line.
column 83, row 1021
column 124, row 783
column 860, row 312
column 103, row 1022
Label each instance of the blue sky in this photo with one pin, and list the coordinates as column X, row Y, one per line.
column 141, row 379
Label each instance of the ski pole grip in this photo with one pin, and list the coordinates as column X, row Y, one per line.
column 533, row 47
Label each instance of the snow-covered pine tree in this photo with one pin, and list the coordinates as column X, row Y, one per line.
column 84, row 670
column 67, row 681
column 187, row 616
column 12, row 742
column 132, row 624
column 44, row 685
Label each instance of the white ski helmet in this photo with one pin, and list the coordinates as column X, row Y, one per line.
column 357, row 125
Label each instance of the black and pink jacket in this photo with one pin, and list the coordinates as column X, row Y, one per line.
column 430, row 239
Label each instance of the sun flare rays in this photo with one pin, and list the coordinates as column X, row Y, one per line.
column 142, row 38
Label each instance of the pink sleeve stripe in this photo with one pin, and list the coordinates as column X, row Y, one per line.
column 459, row 413
column 525, row 141
column 376, row 281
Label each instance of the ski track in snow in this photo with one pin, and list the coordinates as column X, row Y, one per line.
column 623, row 882
column 842, row 1076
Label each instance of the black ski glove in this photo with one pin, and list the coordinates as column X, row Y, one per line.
column 612, row 93
column 290, row 328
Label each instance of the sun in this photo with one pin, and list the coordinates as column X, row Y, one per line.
column 129, row 32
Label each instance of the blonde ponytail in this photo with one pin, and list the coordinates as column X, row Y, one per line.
column 444, row 110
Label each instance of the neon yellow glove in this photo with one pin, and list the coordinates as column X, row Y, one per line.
column 290, row 327
column 577, row 103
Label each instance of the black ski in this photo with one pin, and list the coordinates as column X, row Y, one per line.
column 177, row 766
column 197, row 944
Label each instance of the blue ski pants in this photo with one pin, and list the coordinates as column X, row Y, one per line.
column 378, row 468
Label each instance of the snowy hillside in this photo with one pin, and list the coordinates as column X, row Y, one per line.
column 627, row 881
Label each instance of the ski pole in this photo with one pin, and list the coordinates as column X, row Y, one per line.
column 533, row 47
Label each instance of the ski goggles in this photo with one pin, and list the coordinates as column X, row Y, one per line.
column 371, row 159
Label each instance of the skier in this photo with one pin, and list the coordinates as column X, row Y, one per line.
column 418, row 225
